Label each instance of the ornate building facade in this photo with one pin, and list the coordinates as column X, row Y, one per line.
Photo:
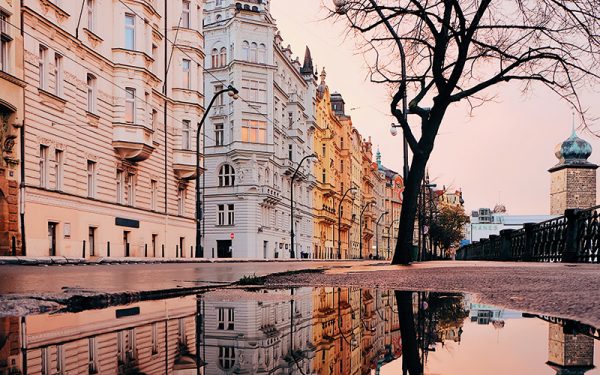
column 111, row 104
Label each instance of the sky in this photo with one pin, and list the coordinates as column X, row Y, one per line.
column 499, row 154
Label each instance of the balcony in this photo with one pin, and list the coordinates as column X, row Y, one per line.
column 270, row 195
column 184, row 164
column 132, row 142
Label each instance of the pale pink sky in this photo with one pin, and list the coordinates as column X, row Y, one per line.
column 504, row 150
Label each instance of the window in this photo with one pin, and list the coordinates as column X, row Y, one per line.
column 226, row 357
column 91, row 178
column 324, row 176
column 187, row 73
column 153, row 194
column 43, row 166
column 253, row 52
column 226, row 175
column 131, row 182
column 91, row 93
column 223, row 56
column 324, row 149
column 129, row 104
column 219, row 3
column 153, row 122
column 129, row 31
column 154, row 343
column 155, row 58
column 226, row 214
column 181, row 336
column 290, row 151
column 262, row 54
column 245, row 51
column 226, row 319
column 219, row 134
column 126, row 352
column 58, row 169
column 120, row 186
column 58, row 74
column 186, row 140
column 254, row 131
column 181, row 193
column 45, row 361
column 219, row 100
column 214, row 58
column 254, row 91
column 185, row 14
column 91, row 15
column 42, row 67
column 92, row 356
column 5, row 40
column 60, row 360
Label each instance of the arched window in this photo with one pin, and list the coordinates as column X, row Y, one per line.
column 214, row 58
column 245, row 48
column 91, row 93
column 262, row 54
column 223, row 56
column 226, row 175
column 276, row 180
column 253, row 52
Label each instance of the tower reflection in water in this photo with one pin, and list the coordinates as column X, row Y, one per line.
column 325, row 330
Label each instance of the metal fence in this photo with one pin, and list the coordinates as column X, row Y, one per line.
column 573, row 237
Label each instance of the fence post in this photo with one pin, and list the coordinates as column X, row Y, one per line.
column 528, row 251
column 571, row 241
column 83, row 250
column 506, row 244
column 492, row 246
column 108, row 249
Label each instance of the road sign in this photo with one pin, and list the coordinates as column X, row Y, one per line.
column 232, row 235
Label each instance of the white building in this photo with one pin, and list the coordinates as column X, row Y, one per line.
column 486, row 222
column 111, row 105
column 254, row 144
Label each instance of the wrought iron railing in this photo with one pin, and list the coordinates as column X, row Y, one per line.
column 573, row 237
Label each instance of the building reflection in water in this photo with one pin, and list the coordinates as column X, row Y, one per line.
column 325, row 330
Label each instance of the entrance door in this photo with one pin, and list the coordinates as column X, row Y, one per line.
column 224, row 249
column 92, row 241
column 52, row 239
column 126, row 242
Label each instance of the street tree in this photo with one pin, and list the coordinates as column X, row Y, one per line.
column 443, row 52
column 447, row 226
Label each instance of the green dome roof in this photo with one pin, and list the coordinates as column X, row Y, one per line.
column 573, row 150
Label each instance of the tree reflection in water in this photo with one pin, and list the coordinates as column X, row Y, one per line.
column 435, row 313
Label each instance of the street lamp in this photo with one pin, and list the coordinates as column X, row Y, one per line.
column 292, row 253
column 360, row 225
column 377, row 234
column 352, row 189
column 389, row 235
column 233, row 93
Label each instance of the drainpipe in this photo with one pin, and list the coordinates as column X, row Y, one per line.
column 22, row 157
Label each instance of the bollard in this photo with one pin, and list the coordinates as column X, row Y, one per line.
column 83, row 250
column 14, row 246
column 146, row 250
column 108, row 249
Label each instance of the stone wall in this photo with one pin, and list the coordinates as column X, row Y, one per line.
column 572, row 188
column 9, row 215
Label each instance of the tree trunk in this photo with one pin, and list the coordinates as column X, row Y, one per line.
column 412, row 186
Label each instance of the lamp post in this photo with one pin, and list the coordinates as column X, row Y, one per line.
column 232, row 92
column 292, row 235
column 389, row 235
column 352, row 189
column 360, row 225
column 377, row 234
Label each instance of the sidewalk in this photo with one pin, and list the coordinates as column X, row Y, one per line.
column 59, row 260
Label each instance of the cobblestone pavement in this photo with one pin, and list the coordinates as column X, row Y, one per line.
column 565, row 290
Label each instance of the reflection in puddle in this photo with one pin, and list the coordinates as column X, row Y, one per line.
column 298, row 331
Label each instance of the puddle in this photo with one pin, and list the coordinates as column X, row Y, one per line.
column 299, row 331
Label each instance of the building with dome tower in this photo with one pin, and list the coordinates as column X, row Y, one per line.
column 573, row 179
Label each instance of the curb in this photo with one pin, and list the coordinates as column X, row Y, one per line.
column 58, row 261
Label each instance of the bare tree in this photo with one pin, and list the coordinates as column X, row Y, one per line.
column 456, row 50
